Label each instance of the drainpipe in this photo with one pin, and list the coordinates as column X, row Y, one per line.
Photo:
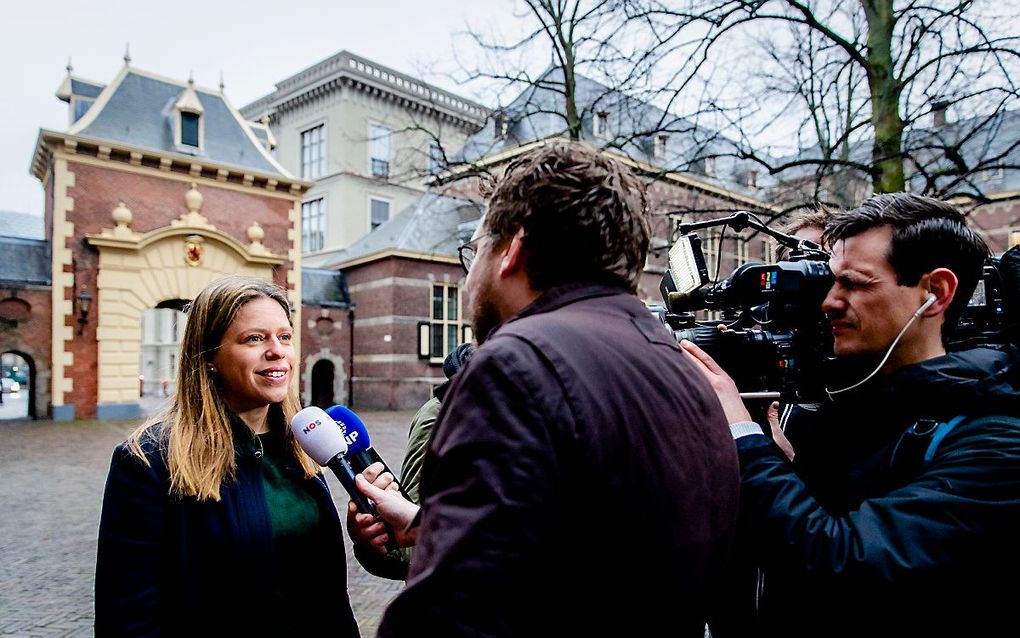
column 350, row 357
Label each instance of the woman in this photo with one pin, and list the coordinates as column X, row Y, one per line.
column 214, row 521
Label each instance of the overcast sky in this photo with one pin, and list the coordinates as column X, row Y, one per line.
column 254, row 44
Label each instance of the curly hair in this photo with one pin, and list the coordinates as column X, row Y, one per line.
column 584, row 215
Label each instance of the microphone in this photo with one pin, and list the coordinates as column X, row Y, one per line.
column 360, row 453
column 322, row 439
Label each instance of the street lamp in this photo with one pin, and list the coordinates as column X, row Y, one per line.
column 84, row 305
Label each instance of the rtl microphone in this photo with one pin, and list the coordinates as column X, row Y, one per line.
column 321, row 438
column 360, row 453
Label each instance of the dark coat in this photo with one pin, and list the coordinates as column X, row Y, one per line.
column 580, row 481
column 862, row 541
column 179, row 567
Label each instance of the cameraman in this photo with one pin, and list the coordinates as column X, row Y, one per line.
column 909, row 520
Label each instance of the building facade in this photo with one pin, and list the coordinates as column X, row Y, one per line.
column 156, row 188
column 367, row 137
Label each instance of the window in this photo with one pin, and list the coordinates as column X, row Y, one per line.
column 600, row 124
column 445, row 321
column 436, row 160
column 81, row 107
column 379, row 212
column 189, row 128
column 313, row 225
column 500, row 126
column 743, row 251
column 768, row 251
column 659, row 149
column 710, row 166
column 752, row 179
column 313, row 152
column 379, row 150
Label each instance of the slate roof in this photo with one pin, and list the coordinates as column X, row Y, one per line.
column 433, row 225
column 23, row 225
column 632, row 124
column 86, row 88
column 25, row 261
column 321, row 287
column 137, row 109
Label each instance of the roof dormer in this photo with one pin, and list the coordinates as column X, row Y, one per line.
column 78, row 93
column 188, row 120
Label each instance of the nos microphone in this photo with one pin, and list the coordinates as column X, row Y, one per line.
column 321, row 438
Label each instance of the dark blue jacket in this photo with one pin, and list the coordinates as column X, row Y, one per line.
column 862, row 536
column 178, row 567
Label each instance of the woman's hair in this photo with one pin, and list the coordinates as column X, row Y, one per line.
column 196, row 436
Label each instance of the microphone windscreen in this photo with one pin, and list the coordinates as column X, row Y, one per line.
column 354, row 430
column 318, row 435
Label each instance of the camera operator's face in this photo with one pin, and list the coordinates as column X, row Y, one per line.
column 866, row 305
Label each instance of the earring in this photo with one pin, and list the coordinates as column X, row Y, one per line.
column 212, row 369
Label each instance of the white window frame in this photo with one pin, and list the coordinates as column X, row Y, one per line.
column 312, row 166
column 389, row 208
column 600, row 124
column 305, row 230
column 659, row 146
column 710, row 167
column 381, row 144
column 442, row 325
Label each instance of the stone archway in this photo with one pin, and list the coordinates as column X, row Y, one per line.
column 28, row 378
column 338, row 378
column 138, row 272
column 322, row 383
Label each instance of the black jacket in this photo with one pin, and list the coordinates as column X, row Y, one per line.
column 862, row 536
column 178, row 567
column 580, row 481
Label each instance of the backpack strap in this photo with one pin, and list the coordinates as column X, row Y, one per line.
column 940, row 432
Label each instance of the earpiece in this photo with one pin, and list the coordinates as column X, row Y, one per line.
column 932, row 298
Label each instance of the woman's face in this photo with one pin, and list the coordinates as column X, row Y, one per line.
column 255, row 360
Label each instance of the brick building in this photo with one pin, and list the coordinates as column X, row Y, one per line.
column 156, row 188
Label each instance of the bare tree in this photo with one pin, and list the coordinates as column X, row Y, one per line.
column 839, row 78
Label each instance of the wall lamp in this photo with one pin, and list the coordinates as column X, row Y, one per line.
column 1014, row 238
column 84, row 305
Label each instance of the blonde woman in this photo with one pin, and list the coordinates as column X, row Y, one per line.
column 214, row 521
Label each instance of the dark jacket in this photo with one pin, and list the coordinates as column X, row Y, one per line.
column 178, row 567
column 580, row 481
column 868, row 538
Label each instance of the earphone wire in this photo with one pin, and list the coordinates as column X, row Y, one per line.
column 917, row 313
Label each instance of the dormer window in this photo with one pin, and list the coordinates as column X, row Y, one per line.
column 189, row 129
column 500, row 126
column 188, row 120
column 659, row 147
column 600, row 124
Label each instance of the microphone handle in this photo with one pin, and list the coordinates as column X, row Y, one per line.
column 360, row 460
column 345, row 474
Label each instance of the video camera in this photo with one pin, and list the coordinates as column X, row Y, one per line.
column 772, row 337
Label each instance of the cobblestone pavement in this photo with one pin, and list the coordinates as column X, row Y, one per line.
column 51, row 489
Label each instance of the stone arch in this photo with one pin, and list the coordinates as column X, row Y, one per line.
column 339, row 377
column 38, row 381
column 145, row 275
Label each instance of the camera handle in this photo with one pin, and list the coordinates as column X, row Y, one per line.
column 740, row 220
